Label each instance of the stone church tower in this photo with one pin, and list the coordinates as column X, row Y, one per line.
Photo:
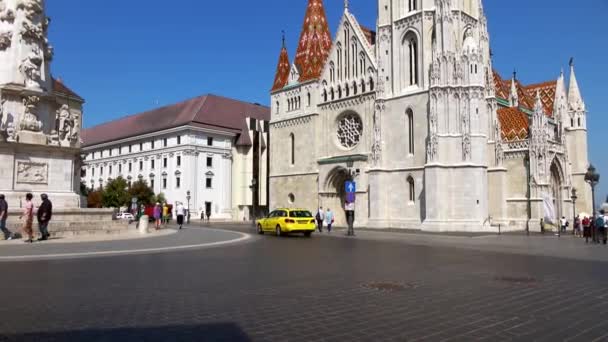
column 416, row 115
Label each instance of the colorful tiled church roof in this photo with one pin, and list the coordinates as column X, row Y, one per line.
column 283, row 67
column 315, row 42
column 547, row 94
column 514, row 123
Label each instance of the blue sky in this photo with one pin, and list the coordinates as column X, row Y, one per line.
column 125, row 57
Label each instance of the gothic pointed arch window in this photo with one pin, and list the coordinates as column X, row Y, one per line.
column 355, row 89
column 308, row 99
column 324, row 95
column 292, row 148
column 347, row 90
column 412, row 189
column 371, row 84
column 363, row 86
column 333, row 94
column 278, row 107
column 409, row 59
column 410, row 129
column 339, row 92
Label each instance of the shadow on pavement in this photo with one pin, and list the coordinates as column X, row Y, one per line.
column 203, row 332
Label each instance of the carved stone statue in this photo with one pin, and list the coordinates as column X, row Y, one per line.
column 5, row 40
column 64, row 123
column 32, row 8
column 6, row 14
column 30, row 68
column 29, row 121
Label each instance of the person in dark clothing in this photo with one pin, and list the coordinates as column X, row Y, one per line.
column 45, row 212
column 3, row 216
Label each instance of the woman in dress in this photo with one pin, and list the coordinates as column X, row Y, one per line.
column 158, row 212
column 28, row 218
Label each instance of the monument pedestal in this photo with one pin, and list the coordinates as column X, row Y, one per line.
column 33, row 138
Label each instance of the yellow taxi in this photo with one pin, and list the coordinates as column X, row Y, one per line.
column 285, row 221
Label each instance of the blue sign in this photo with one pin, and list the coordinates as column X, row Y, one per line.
column 350, row 186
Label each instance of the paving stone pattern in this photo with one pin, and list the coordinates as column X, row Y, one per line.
column 298, row 289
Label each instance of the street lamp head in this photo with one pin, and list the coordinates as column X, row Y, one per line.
column 574, row 197
column 592, row 177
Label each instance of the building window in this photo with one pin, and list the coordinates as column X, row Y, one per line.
column 130, row 167
column 412, row 58
column 412, row 187
column 165, row 142
column 152, row 164
column 371, row 84
column 141, row 147
column 350, row 130
column 152, row 144
column 410, row 126
column 209, row 161
column 179, row 161
column 101, row 171
column 412, row 5
column 93, row 172
column 178, row 182
column 130, row 148
column 209, row 141
column 165, row 163
column 119, row 168
column 110, row 152
column 209, row 183
column 141, row 165
column 292, row 142
column 110, row 169
column 579, row 122
column 572, row 122
column 119, row 150
column 308, row 103
column 164, row 183
column 152, row 184
column 179, row 139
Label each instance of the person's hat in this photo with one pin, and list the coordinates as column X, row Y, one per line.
column 44, row 196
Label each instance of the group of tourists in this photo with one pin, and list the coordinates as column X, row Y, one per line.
column 44, row 214
column 162, row 215
column 587, row 227
column 324, row 217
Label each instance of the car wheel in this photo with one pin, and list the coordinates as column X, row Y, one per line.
column 260, row 230
column 278, row 231
column 308, row 234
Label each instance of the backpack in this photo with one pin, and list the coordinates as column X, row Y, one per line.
column 318, row 217
column 599, row 222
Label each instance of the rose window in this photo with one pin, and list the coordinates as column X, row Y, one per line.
column 350, row 129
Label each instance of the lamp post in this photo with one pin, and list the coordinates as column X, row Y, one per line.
column 574, row 198
column 593, row 178
column 188, row 198
column 528, row 195
column 253, row 186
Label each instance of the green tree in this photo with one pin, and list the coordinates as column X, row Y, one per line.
column 160, row 198
column 115, row 194
column 143, row 193
column 84, row 190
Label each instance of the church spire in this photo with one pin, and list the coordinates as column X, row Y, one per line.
column 560, row 102
column 514, row 97
column 575, row 100
column 282, row 74
column 315, row 42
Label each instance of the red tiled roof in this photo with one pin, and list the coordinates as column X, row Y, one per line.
column 209, row 111
column 547, row 94
column 315, row 42
column 282, row 74
column 501, row 86
column 514, row 123
column 61, row 88
column 369, row 34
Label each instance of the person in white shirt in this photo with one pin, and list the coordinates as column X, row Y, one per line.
column 179, row 212
column 563, row 224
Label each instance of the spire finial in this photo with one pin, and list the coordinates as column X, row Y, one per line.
column 571, row 61
column 283, row 33
column 346, row 4
column 514, row 74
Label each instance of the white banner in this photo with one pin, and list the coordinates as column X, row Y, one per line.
column 549, row 210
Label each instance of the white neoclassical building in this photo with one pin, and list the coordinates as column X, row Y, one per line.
column 211, row 146
column 415, row 113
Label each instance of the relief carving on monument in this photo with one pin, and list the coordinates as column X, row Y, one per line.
column 31, row 31
column 29, row 121
column 32, row 173
column 30, row 68
column 32, row 8
column 66, row 127
column 6, row 14
column 6, row 39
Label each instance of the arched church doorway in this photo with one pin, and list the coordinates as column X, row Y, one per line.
column 334, row 183
column 556, row 189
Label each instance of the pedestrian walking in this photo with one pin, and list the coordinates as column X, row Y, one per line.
column 45, row 212
column 601, row 228
column 542, row 226
column 165, row 213
column 158, row 215
column 179, row 212
column 28, row 218
column 3, row 216
column 563, row 223
column 320, row 217
column 586, row 228
column 329, row 219
column 577, row 227
column 208, row 215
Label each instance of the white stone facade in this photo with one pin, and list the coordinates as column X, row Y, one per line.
column 429, row 152
column 205, row 162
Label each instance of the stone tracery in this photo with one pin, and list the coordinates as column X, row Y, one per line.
column 350, row 129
